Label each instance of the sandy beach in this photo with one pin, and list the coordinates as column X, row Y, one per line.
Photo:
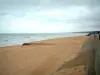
column 58, row 56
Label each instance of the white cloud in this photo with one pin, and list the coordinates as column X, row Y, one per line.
column 45, row 20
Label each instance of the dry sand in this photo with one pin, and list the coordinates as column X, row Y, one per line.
column 48, row 57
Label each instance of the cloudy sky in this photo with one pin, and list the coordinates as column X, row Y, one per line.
column 49, row 16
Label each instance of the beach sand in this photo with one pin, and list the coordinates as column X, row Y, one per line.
column 58, row 56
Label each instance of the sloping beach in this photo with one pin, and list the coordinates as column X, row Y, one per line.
column 48, row 57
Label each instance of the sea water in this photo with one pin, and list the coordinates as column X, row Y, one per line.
column 18, row 39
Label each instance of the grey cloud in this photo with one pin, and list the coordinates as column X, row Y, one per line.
column 18, row 2
column 5, row 3
column 3, row 13
column 49, row 4
column 79, row 2
column 19, row 8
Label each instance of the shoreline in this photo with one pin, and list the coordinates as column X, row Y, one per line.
column 41, row 58
column 20, row 44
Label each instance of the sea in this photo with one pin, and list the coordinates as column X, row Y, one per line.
column 19, row 39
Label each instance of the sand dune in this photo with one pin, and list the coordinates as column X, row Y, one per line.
column 46, row 57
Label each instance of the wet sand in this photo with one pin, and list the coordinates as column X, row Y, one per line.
column 45, row 57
